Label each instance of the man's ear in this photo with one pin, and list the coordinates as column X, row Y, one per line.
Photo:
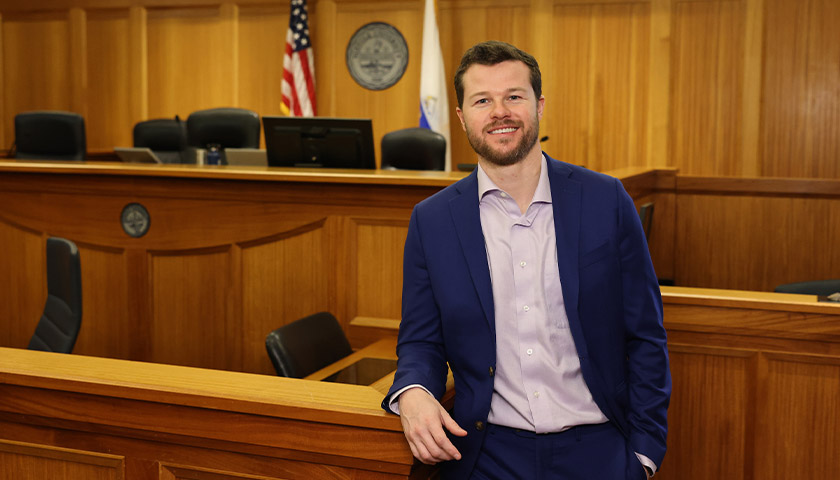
column 540, row 107
column 461, row 117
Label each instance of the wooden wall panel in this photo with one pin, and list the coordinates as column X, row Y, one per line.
column 801, row 107
column 596, row 81
column 183, row 472
column 706, row 99
column 753, row 242
column 106, row 321
column 379, row 256
column 711, row 87
column 801, row 399
column 709, row 383
column 23, row 460
column 282, row 280
column 22, row 277
column 109, row 120
column 262, row 43
column 191, row 290
column 191, row 60
column 36, row 65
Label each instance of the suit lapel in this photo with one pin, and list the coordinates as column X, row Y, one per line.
column 566, row 203
column 467, row 220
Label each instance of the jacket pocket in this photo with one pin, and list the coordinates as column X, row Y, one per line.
column 596, row 254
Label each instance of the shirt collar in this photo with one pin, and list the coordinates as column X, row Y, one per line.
column 541, row 194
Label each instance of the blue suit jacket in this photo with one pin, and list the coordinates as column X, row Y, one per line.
column 610, row 291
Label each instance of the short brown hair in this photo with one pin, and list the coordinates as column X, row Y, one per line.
column 493, row 52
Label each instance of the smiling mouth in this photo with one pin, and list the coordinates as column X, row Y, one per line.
column 497, row 131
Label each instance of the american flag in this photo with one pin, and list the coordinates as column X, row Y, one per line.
column 298, row 65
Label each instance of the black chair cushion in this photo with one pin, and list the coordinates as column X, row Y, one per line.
column 61, row 321
column 815, row 287
column 413, row 149
column 161, row 134
column 50, row 135
column 307, row 345
column 226, row 127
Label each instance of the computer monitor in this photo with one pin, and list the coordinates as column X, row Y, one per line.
column 319, row 142
column 136, row 155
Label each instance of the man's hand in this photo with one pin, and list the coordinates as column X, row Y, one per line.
column 423, row 420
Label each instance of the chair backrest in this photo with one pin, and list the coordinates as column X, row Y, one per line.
column 815, row 287
column 307, row 345
column 62, row 318
column 413, row 149
column 646, row 217
column 50, row 135
column 167, row 137
column 226, row 127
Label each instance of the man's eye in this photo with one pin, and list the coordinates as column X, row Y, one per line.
column 515, row 97
column 481, row 100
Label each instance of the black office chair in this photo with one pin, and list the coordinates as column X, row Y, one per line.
column 50, row 135
column 815, row 287
column 307, row 345
column 59, row 325
column 413, row 149
column 225, row 127
column 646, row 217
column 166, row 137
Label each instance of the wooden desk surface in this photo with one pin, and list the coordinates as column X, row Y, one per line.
column 243, row 173
column 266, row 395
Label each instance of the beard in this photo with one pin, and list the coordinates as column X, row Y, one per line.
column 526, row 143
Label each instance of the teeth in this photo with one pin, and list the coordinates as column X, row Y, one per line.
column 504, row 130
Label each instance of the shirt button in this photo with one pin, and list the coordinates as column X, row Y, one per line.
column 503, row 195
column 522, row 264
column 526, row 308
column 529, row 351
column 537, row 394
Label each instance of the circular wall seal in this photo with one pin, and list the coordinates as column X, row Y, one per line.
column 135, row 220
column 377, row 56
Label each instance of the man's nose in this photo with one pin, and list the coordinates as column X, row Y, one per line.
column 500, row 110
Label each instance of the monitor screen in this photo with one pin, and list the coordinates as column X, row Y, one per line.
column 319, row 142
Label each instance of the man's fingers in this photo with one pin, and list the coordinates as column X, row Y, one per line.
column 424, row 420
column 452, row 425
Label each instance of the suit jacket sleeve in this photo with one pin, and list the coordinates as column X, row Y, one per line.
column 649, row 379
column 420, row 347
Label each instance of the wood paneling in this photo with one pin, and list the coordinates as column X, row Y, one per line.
column 596, row 85
column 752, row 373
column 752, row 242
column 801, row 83
column 802, row 401
column 378, row 251
column 706, row 100
column 24, row 460
column 262, row 39
column 36, row 65
column 109, row 78
column 712, row 87
column 227, row 258
column 295, row 273
column 22, row 277
column 181, row 422
column 191, row 59
column 710, row 383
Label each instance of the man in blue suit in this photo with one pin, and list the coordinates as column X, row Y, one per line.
column 531, row 280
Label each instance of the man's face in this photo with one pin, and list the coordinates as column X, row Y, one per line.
column 501, row 114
